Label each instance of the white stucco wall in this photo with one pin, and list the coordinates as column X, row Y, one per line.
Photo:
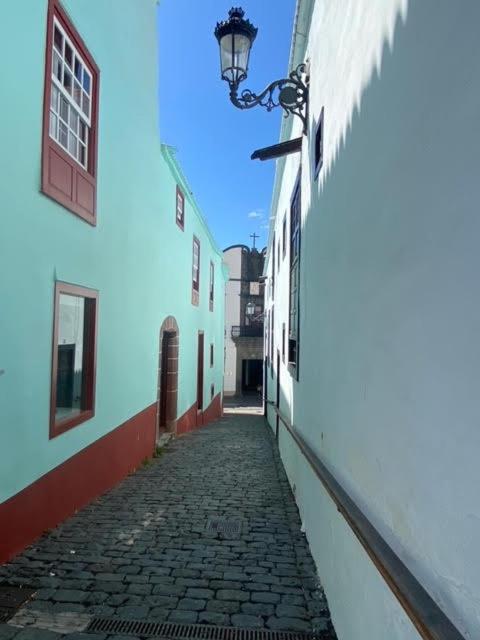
column 390, row 310
column 233, row 260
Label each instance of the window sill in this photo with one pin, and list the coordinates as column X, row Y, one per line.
column 56, row 196
column 57, row 428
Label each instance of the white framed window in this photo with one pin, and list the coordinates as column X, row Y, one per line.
column 71, row 97
column 196, row 264
column 180, row 210
column 254, row 288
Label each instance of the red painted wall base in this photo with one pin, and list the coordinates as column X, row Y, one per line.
column 77, row 481
column 187, row 422
column 193, row 419
column 214, row 410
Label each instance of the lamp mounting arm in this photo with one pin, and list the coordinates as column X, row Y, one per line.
column 292, row 95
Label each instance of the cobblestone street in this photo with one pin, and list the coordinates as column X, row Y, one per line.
column 144, row 550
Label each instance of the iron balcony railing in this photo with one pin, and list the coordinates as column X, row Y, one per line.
column 247, row 331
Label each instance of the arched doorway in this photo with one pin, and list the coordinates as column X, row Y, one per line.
column 167, row 376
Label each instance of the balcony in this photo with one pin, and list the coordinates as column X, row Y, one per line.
column 247, row 331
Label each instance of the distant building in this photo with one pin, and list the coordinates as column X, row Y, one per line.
column 243, row 320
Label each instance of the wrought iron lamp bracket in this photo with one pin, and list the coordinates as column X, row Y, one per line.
column 292, row 95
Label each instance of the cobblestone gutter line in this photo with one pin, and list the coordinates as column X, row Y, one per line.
column 314, row 594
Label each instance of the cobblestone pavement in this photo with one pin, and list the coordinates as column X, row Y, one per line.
column 248, row 404
column 142, row 551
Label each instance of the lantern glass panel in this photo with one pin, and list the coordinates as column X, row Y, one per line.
column 250, row 309
column 234, row 54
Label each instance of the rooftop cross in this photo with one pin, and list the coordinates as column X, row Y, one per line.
column 254, row 236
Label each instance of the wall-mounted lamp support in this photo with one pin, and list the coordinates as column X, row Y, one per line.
column 235, row 37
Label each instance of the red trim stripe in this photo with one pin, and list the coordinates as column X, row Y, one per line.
column 73, row 484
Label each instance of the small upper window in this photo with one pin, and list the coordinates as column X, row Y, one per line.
column 180, row 208
column 195, row 270
column 273, row 267
column 211, row 294
column 211, row 355
column 69, row 155
column 272, row 334
column 319, row 145
column 74, row 349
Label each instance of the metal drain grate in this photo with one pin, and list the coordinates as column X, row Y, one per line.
column 5, row 614
column 228, row 528
column 175, row 631
column 11, row 599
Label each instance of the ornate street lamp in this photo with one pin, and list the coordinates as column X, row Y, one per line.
column 235, row 37
column 250, row 309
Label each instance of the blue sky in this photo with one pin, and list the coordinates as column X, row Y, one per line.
column 213, row 138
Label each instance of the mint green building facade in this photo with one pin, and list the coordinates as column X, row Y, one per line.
column 136, row 257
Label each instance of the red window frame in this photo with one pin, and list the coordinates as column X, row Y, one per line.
column 180, row 220
column 58, row 427
column 211, row 294
column 195, row 280
column 63, row 178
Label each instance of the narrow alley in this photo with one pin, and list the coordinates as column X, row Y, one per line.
column 239, row 257
column 207, row 532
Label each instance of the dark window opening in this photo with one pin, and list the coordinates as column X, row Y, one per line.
column 267, row 336
column 73, row 359
column 273, row 267
column 293, row 325
column 272, row 325
column 319, row 145
column 211, row 294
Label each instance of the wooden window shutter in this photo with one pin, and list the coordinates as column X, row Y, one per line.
column 63, row 178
